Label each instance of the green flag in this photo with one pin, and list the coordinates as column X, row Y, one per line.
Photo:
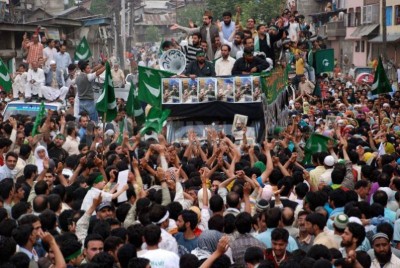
column 82, row 51
column 316, row 143
column 5, row 79
column 41, row 114
column 133, row 107
column 106, row 104
column 381, row 82
column 150, row 85
column 155, row 120
column 324, row 60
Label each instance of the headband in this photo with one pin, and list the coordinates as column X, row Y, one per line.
column 166, row 216
column 74, row 255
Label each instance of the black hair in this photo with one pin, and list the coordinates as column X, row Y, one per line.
column 104, row 259
column 189, row 260
column 253, row 255
column 6, row 186
column 111, row 243
column 191, row 217
column 380, row 197
column 48, row 219
column 152, row 234
column 135, row 235
column 272, row 217
column 92, row 237
column 316, row 219
column 174, row 209
column 243, row 222
column 7, row 226
column 20, row 260
column 216, row 222
column 338, row 197
column 69, row 246
column 280, row 234
column 125, row 253
column 22, row 233
column 358, row 231
column 40, row 203
column 319, row 252
column 138, row 263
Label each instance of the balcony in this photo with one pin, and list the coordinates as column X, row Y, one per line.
column 335, row 29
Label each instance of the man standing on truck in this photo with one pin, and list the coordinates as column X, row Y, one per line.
column 118, row 76
column 85, row 88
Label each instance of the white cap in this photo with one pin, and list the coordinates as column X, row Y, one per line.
column 109, row 132
column 52, row 62
column 67, row 172
column 329, row 161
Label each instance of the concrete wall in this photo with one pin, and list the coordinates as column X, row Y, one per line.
column 307, row 7
column 51, row 6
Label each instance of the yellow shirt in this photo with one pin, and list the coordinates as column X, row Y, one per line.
column 300, row 66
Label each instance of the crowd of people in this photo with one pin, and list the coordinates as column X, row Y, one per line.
column 77, row 196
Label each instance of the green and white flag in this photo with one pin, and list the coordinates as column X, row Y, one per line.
column 316, row 143
column 82, row 51
column 150, row 85
column 106, row 104
column 324, row 60
column 133, row 107
column 155, row 120
column 381, row 83
column 41, row 114
column 5, row 79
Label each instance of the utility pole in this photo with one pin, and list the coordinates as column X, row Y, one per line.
column 384, row 31
column 123, row 34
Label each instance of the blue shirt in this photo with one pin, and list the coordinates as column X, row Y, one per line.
column 63, row 60
column 227, row 30
column 265, row 237
column 185, row 245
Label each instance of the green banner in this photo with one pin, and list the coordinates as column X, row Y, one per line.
column 274, row 83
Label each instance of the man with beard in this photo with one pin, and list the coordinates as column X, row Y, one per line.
column 303, row 239
column 200, row 67
column 208, row 32
column 383, row 252
column 191, row 49
column 249, row 64
column 236, row 45
column 352, row 238
column 228, row 27
column 248, row 42
column 55, row 149
column 224, row 65
column 187, row 222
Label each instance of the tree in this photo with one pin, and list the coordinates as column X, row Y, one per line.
column 189, row 12
column 255, row 9
column 153, row 34
column 99, row 6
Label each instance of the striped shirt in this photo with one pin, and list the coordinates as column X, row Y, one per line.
column 190, row 52
column 35, row 52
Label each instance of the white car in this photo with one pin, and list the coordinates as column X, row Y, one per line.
column 29, row 108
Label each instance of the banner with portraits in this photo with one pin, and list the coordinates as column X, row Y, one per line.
column 239, row 89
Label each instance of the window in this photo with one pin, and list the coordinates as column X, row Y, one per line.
column 389, row 16
column 357, row 17
column 350, row 17
column 397, row 15
column 370, row 14
column 359, row 46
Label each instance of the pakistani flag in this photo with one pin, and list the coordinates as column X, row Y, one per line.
column 41, row 114
column 133, row 107
column 324, row 60
column 5, row 79
column 83, row 52
column 316, row 143
column 381, row 82
column 150, row 85
column 106, row 103
column 155, row 120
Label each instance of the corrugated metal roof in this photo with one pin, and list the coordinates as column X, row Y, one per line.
column 158, row 19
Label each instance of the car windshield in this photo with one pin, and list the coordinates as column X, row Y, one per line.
column 27, row 109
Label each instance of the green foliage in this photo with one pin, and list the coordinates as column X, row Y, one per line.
column 99, row 6
column 190, row 12
column 152, row 34
column 261, row 10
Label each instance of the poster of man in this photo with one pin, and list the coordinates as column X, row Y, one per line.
column 243, row 89
column 189, row 91
column 171, row 90
column 225, row 89
column 256, row 89
column 207, row 89
column 238, row 125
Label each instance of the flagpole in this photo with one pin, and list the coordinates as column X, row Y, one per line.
column 104, row 133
